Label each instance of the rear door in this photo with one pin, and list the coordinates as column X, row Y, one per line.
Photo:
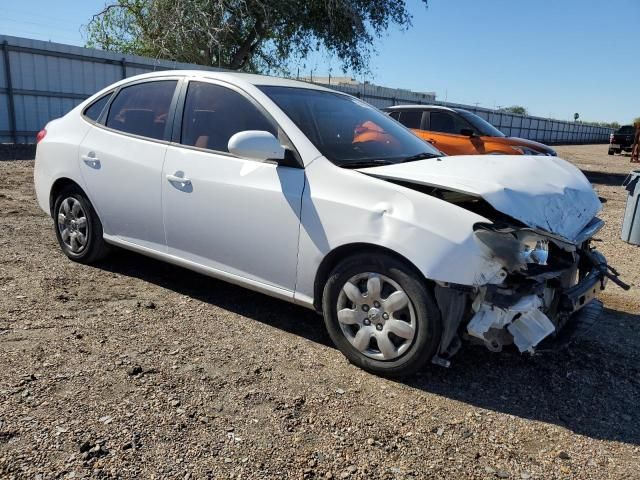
column 231, row 214
column 121, row 161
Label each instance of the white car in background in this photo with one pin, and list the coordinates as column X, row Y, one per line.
column 317, row 198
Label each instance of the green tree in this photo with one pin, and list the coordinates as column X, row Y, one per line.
column 248, row 35
column 636, row 120
column 517, row 109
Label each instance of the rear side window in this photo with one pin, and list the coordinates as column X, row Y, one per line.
column 446, row 122
column 411, row 118
column 213, row 114
column 142, row 109
column 94, row 110
column 395, row 115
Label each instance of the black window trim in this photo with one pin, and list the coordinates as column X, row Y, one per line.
column 101, row 122
column 84, row 110
column 293, row 160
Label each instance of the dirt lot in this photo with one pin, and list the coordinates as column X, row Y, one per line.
column 137, row 369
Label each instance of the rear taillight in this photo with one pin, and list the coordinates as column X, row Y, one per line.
column 41, row 134
column 611, row 138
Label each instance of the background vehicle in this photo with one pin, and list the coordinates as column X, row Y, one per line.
column 621, row 140
column 456, row 131
column 317, row 198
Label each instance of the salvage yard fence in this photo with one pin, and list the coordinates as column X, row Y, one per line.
column 40, row 81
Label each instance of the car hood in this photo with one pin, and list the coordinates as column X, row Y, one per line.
column 546, row 193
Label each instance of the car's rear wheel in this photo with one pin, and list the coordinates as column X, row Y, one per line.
column 78, row 228
column 381, row 315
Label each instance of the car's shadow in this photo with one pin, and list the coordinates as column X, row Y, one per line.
column 591, row 387
column 605, row 178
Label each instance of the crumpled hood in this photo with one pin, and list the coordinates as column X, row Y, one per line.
column 543, row 192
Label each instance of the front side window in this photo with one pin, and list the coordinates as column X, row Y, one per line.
column 213, row 114
column 345, row 130
column 94, row 110
column 411, row 118
column 480, row 124
column 142, row 109
column 446, row 122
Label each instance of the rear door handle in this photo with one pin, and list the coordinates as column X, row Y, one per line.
column 176, row 179
column 431, row 141
column 91, row 160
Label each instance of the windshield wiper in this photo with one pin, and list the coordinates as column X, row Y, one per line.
column 420, row 156
column 365, row 163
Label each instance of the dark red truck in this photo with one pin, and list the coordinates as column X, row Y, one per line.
column 621, row 140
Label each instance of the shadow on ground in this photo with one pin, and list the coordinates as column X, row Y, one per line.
column 591, row 387
column 605, row 178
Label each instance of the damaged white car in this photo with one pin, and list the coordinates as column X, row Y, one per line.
column 317, row 198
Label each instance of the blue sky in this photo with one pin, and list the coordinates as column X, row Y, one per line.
column 555, row 57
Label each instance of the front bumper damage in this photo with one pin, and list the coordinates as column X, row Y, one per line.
column 522, row 311
column 526, row 321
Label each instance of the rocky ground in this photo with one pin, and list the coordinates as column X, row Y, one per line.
column 138, row 369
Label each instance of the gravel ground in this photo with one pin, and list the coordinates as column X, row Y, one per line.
column 138, row 369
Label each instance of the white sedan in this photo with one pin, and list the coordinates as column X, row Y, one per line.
column 317, row 198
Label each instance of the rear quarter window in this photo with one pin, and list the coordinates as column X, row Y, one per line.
column 93, row 111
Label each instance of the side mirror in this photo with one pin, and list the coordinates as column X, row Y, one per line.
column 467, row 132
column 256, row 145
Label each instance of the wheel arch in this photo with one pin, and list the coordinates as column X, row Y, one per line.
column 59, row 185
column 335, row 256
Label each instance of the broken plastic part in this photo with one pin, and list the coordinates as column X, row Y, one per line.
column 530, row 329
column 524, row 320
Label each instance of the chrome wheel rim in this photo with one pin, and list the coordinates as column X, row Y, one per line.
column 376, row 316
column 73, row 225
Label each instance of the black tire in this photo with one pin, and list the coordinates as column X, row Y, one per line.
column 428, row 322
column 610, row 152
column 95, row 248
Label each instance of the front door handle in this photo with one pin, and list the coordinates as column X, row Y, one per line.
column 177, row 179
column 91, row 160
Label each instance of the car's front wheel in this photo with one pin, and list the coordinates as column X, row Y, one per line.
column 381, row 315
column 78, row 228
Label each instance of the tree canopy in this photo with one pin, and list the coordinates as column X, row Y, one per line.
column 248, row 35
column 517, row 109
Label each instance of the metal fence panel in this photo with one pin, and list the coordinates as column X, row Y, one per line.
column 48, row 79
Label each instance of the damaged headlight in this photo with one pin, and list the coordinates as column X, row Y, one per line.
column 514, row 248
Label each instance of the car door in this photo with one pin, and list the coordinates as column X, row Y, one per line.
column 121, row 162
column 235, row 215
column 444, row 132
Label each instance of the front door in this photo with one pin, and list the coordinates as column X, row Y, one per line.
column 445, row 134
column 234, row 215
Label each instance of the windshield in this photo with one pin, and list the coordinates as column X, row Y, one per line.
column 346, row 130
column 627, row 129
column 480, row 124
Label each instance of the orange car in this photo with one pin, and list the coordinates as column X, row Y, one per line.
column 455, row 131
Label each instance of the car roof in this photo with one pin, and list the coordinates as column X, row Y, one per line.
column 232, row 77
column 421, row 107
